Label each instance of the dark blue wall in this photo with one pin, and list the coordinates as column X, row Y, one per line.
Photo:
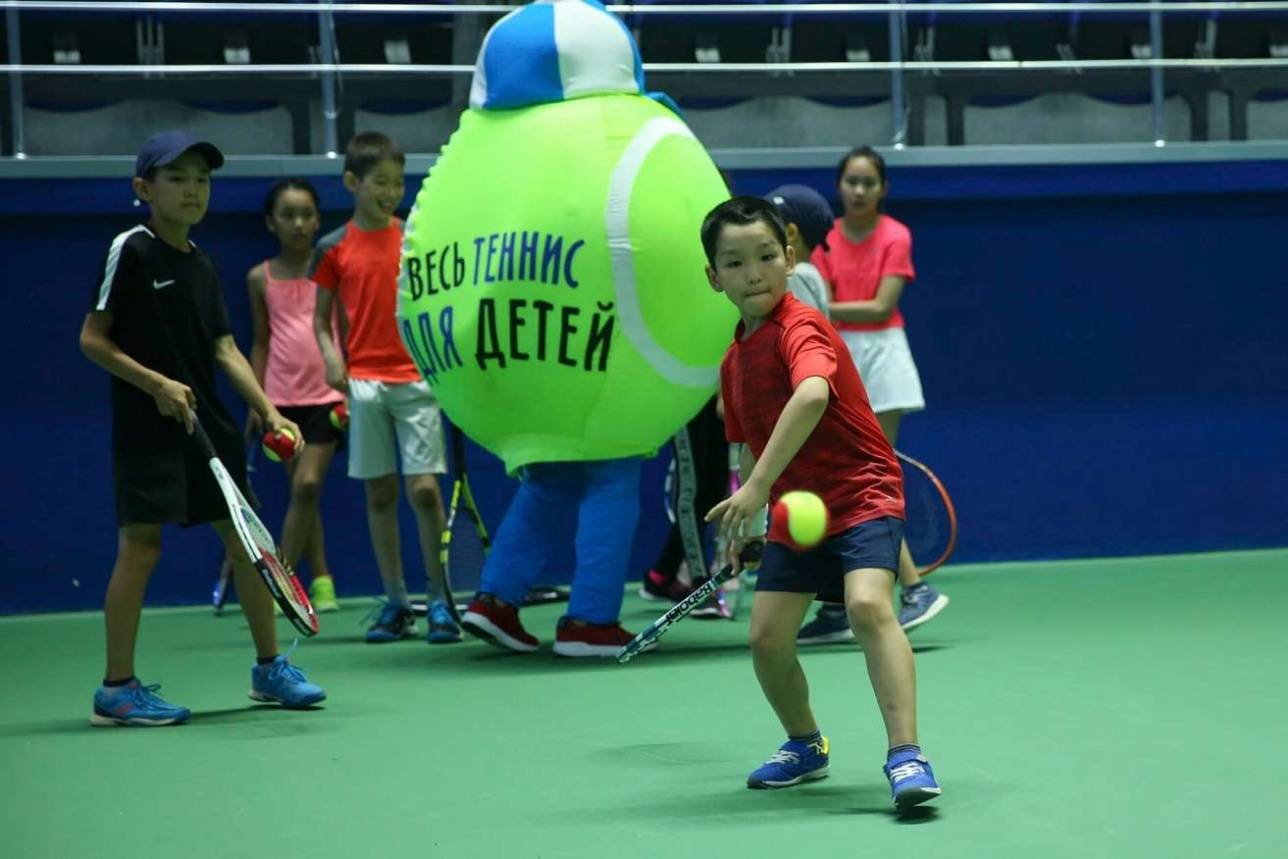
column 1100, row 347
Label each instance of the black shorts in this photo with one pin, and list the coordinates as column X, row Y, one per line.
column 315, row 423
column 161, row 486
column 821, row 570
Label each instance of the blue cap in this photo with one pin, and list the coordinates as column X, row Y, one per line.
column 553, row 50
column 807, row 209
column 164, row 147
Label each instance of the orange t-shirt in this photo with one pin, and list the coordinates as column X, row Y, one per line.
column 361, row 268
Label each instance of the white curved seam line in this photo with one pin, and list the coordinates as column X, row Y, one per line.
column 617, row 222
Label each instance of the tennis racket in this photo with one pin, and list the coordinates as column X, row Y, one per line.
column 259, row 543
column 931, row 529
column 730, row 598
column 750, row 557
column 466, row 544
column 465, row 541
column 225, row 584
column 539, row 595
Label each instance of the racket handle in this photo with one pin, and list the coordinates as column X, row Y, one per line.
column 750, row 557
column 203, row 441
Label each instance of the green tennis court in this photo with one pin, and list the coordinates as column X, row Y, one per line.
column 1116, row 708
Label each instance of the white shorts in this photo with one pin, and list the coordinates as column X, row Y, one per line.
column 383, row 415
column 887, row 369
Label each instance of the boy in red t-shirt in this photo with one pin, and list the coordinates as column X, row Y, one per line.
column 392, row 412
column 793, row 397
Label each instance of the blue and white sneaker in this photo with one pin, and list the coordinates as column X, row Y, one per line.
column 394, row 622
column 794, row 762
column 919, row 604
column 912, row 781
column 282, row 682
column 829, row 625
column 134, row 705
column 442, row 626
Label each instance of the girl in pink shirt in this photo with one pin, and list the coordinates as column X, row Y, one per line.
column 287, row 363
column 867, row 261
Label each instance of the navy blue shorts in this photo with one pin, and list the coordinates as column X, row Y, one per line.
column 821, row 570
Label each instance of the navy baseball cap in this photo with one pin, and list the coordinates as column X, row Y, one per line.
column 164, row 147
column 803, row 206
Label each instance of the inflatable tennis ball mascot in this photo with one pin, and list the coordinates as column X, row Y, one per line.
column 552, row 289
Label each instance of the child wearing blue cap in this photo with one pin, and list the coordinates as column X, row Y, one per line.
column 159, row 326
column 808, row 219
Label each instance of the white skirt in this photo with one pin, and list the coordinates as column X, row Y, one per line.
column 886, row 367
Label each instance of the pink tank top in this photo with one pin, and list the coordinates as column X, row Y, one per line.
column 295, row 375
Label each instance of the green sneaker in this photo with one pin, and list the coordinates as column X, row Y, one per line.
column 322, row 594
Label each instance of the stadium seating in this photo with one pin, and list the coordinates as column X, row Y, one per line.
column 137, row 37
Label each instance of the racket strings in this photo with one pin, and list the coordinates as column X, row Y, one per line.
column 466, row 552
column 927, row 529
column 288, row 586
column 930, row 528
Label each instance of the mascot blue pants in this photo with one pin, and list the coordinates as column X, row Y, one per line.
column 599, row 502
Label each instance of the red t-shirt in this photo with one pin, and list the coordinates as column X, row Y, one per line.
column 846, row 460
column 855, row 270
column 361, row 268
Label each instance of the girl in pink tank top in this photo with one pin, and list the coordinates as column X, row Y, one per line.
column 294, row 374
column 288, row 363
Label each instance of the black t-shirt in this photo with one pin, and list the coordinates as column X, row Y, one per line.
column 167, row 312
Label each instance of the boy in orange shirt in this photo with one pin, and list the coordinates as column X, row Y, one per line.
column 389, row 404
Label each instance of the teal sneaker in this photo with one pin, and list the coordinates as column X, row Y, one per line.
column 442, row 626
column 794, row 762
column 392, row 623
column 134, row 705
column 283, row 683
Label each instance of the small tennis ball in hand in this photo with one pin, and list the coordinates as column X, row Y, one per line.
column 804, row 517
column 279, row 446
column 340, row 416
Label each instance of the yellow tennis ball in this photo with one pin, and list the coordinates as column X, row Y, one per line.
column 805, row 516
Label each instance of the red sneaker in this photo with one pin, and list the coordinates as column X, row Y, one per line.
column 497, row 623
column 591, row 639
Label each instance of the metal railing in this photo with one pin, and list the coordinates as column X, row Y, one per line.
column 721, row 9
column 328, row 69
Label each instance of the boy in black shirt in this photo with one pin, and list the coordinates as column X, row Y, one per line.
column 159, row 325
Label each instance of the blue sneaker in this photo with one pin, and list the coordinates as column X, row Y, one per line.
column 829, row 625
column 919, row 604
column 442, row 626
column 794, row 762
column 393, row 623
column 912, row 781
column 282, row 682
column 134, row 705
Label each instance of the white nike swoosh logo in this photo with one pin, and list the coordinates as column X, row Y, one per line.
column 161, row 284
